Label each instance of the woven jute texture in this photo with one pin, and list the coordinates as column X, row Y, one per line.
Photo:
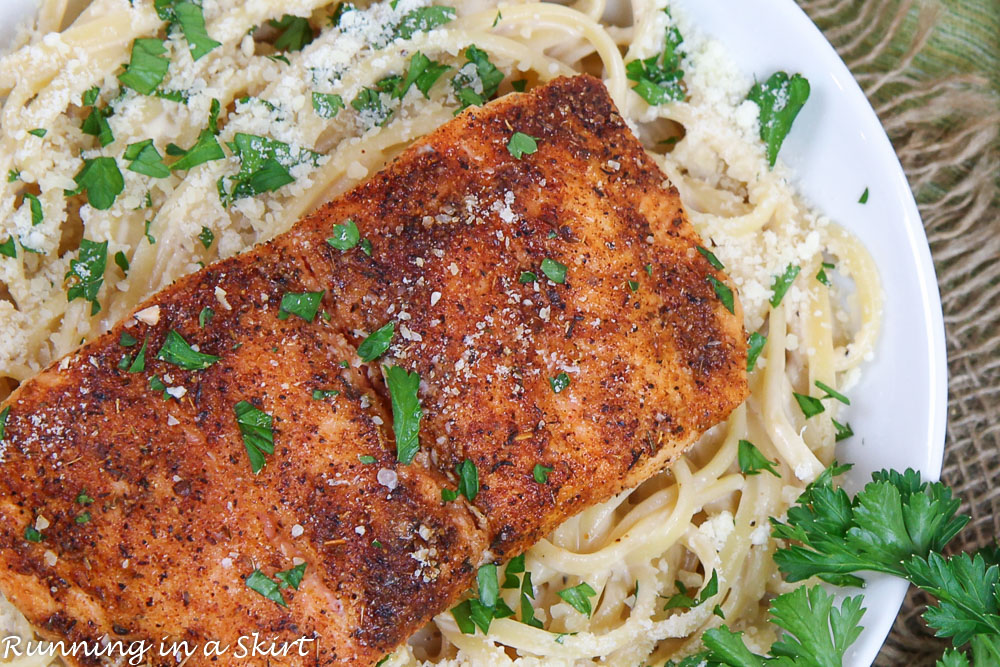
column 931, row 69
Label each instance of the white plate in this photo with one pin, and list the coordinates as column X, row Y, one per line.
column 837, row 148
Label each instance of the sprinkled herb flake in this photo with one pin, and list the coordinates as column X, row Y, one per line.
column 832, row 393
column 684, row 601
column 13, row 175
column 258, row 436
column 8, row 248
column 779, row 98
column 559, row 382
column 541, row 473
column 554, row 271
column 724, row 294
column 147, row 66
column 366, row 459
column 303, row 304
column 31, row 534
column 468, row 479
column 522, row 144
column 86, row 273
column 844, row 431
column 176, row 351
column 710, row 256
column 755, row 345
column 327, row 105
column 527, row 595
column 520, row 85
column 578, row 597
column 122, row 262
column 752, row 461
column 127, row 339
column 633, row 286
column 377, row 342
column 406, row 411
column 488, row 585
column 864, row 197
column 464, row 83
column 295, row 33
column 82, row 517
column 345, row 236
column 781, row 284
column 3, row 421
column 205, row 316
column 515, row 566
column 83, row 499
column 206, row 149
column 206, row 236
column 423, row 19
column 448, row 495
column 139, row 365
column 291, row 578
column 96, row 124
column 264, row 585
column 527, row 277
column 36, row 208
column 192, row 22
column 320, row 394
column 422, row 72
column 38, row 132
column 101, row 179
column 658, row 79
column 810, row 405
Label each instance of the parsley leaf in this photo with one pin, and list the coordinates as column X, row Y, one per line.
column 515, row 566
column 376, row 343
column 755, row 345
column 86, row 273
column 139, row 364
column 468, row 479
column 578, row 597
column 832, row 393
column 8, row 249
column 36, row 208
column 145, row 159
column 205, row 316
column 781, row 284
column 192, row 21
column 540, row 473
column 487, row 583
column 478, row 66
column 102, row 180
column 367, row 460
column 752, row 462
column 810, row 405
column 293, row 577
column 724, row 293
column 710, row 256
column 3, row 421
column 176, row 351
column 264, row 165
column 844, row 431
column 423, row 72
column 261, row 583
column 320, row 394
column 406, row 412
column 96, row 124
column 559, row 382
column 527, row 610
column 345, row 236
column 258, row 436
column 779, row 98
column 206, row 149
column 527, row 277
column 864, row 197
column 304, row 304
column 206, row 236
column 554, row 271
column 327, row 105
column 295, row 33
column 423, row 19
column 521, row 144
column 658, row 79
column 31, row 534
column 147, row 66
column 368, row 103
column 38, row 132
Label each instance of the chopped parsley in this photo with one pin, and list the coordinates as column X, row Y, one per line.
column 206, row 149
column 206, row 236
column 844, row 431
column 147, row 66
column 377, row 342
column 559, row 382
column 781, row 284
column 447, row 495
column 752, row 461
column 102, row 180
column 86, row 273
column 327, row 105
column 423, row 19
column 712, row 259
column 779, row 98
column 514, row 567
column 488, row 585
column 127, row 339
column 13, row 175
column 192, row 22
column 83, row 499
column 422, row 72
column 264, row 585
column 684, row 601
column 554, row 271
column 38, row 132
column 479, row 612
column 139, row 364
column 82, row 517
column 520, row 85
column 821, row 274
column 724, row 294
column 366, row 247
column 345, row 236
column 3, row 421
column 205, row 316
column 468, row 479
column 36, row 208
column 291, row 578
column 366, row 459
column 8, row 248
column 156, row 384
column 478, row 65
column 810, row 405
column 258, row 436
column 541, row 473
column 527, row 595
column 303, row 304
column 368, row 103
column 864, row 197
column 832, row 393
column 755, row 345
column 320, row 394
column 521, row 144
column 31, row 534
column 658, row 79
column 176, row 351
column 296, row 33
column 122, row 261
column 264, row 165
column 406, row 411
column 145, row 159
column 578, row 597
column 633, row 285
column 527, row 277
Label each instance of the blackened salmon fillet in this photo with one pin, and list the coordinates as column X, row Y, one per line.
column 226, row 461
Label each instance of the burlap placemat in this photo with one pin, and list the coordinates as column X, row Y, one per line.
column 931, row 69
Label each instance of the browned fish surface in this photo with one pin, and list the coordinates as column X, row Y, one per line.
column 463, row 238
